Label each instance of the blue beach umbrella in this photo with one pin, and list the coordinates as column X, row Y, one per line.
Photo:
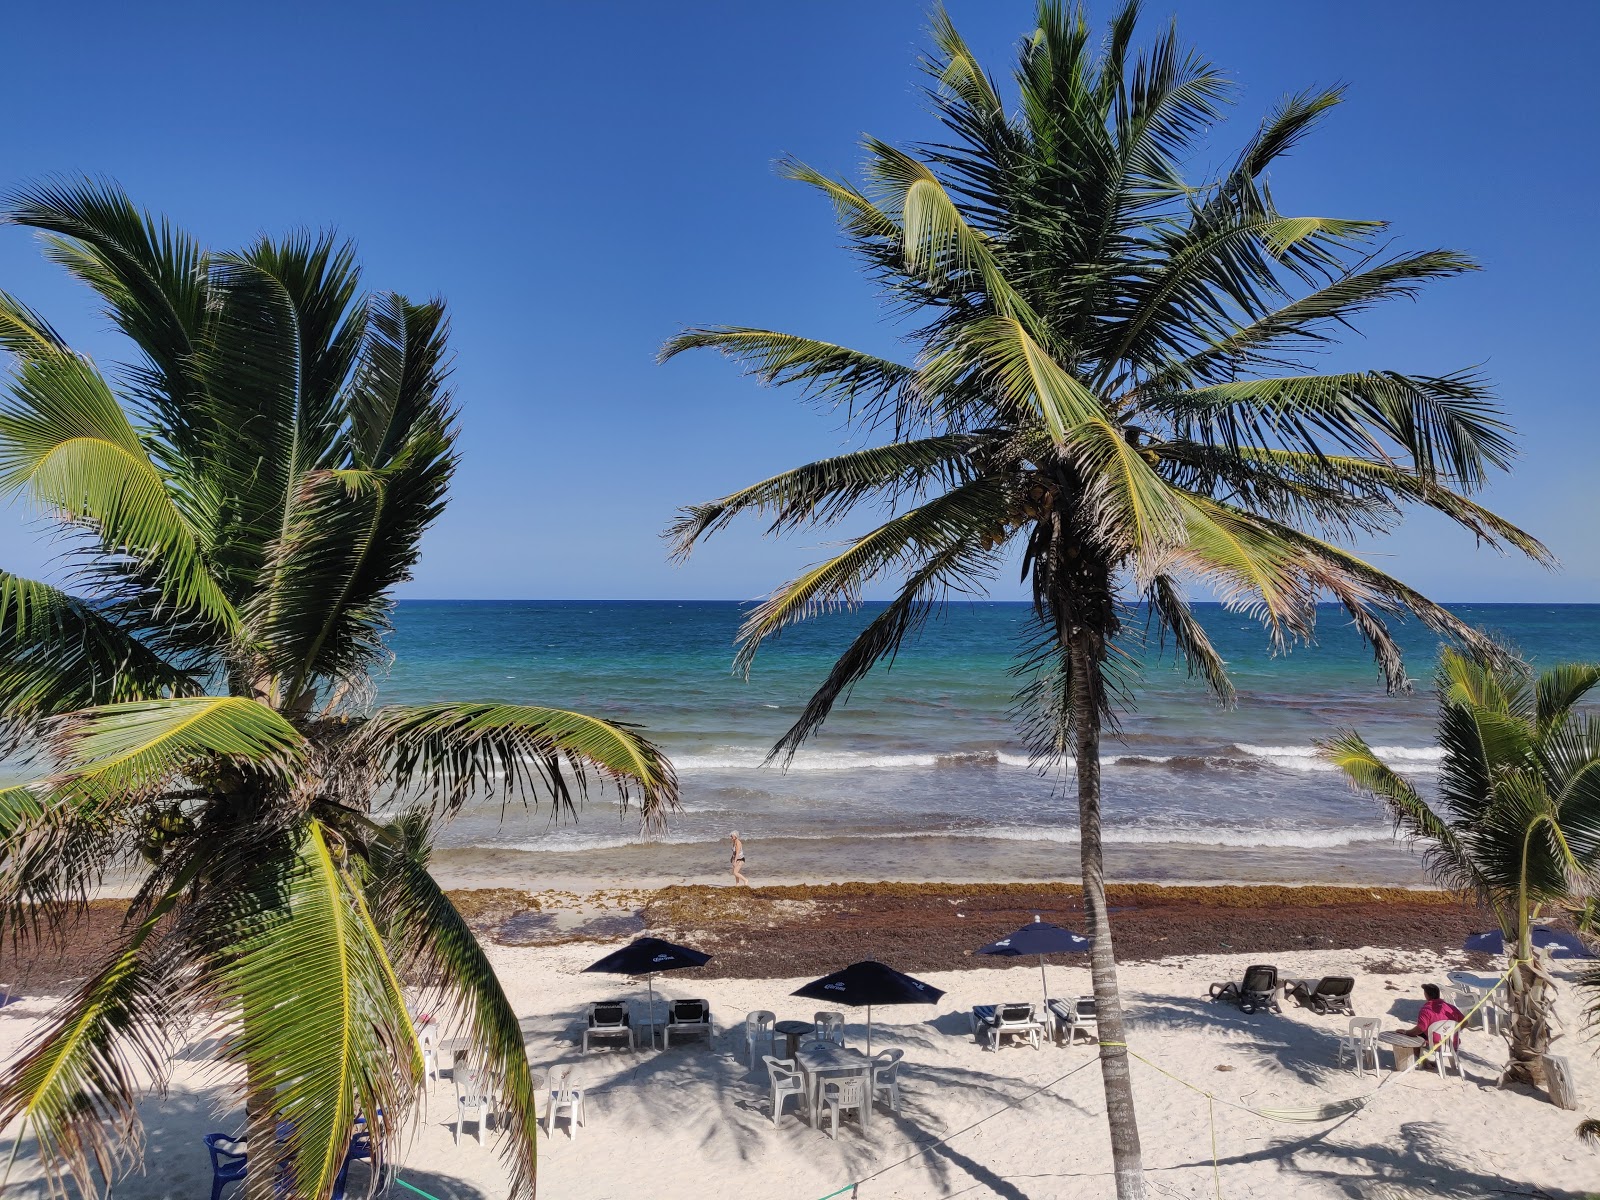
column 1041, row 938
column 645, row 956
column 868, row 983
column 1560, row 944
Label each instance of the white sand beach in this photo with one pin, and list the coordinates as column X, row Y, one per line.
column 693, row 1123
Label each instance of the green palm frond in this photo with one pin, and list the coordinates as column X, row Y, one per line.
column 324, row 1032
column 128, row 749
column 1445, row 425
column 1447, row 856
column 827, row 491
column 447, row 752
column 25, row 333
column 969, row 513
column 59, row 653
column 1560, row 688
column 433, row 941
column 824, row 370
column 1173, row 615
column 76, row 1085
column 68, row 448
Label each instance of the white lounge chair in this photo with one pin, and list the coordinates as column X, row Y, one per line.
column 1014, row 1020
column 474, row 1094
column 758, row 1033
column 1442, row 1038
column 830, row 1027
column 846, row 1092
column 886, row 1076
column 565, row 1097
column 1076, row 1017
column 608, row 1019
column 687, row 1018
column 1360, row 1044
column 785, row 1080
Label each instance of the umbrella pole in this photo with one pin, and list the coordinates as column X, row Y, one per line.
column 1044, row 983
column 869, row 1031
column 650, row 982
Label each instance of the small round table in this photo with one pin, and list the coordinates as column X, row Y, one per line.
column 1403, row 1045
column 792, row 1032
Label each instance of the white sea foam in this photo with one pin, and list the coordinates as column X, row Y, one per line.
column 1237, row 837
column 1309, row 758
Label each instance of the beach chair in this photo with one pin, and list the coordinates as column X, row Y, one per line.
column 428, row 1047
column 840, row 1095
column 1441, row 1038
column 565, row 1097
column 1076, row 1017
column 687, row 1018
column 758, row 1033
column 1360, row 1044
column 1014, row 1020
column 830, row 1027
column 608, row 1019
column 1330, row 995
column 886, row 1077
column 229, row 1160
column 474, row 1094
column 1258, row 989
column 785, row 1080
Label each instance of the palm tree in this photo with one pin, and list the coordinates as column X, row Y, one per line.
column 1517, row 820
column 238, row 503
column 1108, row 382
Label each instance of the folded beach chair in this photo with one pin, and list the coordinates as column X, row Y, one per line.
column 687, row 1019
column 1258, row 989
column 1330, row 994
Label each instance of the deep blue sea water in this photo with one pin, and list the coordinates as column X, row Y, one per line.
column 928, row 752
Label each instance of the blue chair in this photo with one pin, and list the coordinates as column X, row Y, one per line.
column 228, row 1161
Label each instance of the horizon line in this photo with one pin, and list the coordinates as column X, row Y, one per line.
column 949, row 603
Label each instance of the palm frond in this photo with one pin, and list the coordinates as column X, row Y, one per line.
column 827, row 491
column 25, row 333
column 431, row 939
column 1449, row 859
column 128, row 749
column 449, row 751
column 67, row 446
column 59, row 653
column 76, row 1086
column 1170, row 609
column 323, row 1028
column 1561, row 687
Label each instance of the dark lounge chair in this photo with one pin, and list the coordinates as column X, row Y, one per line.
column 1330, row 994
column 1258, row 989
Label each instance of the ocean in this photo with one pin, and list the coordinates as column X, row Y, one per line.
column 922, row 774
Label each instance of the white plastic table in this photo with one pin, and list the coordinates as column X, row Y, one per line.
column 818, row 1062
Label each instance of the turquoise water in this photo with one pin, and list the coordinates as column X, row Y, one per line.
column 926, row 754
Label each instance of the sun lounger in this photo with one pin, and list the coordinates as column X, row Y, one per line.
column 1258, row 989
column 1075, row 1018
column 688, row 1018
column 608, row 1019
column 991, row 1022
column 1330, row 994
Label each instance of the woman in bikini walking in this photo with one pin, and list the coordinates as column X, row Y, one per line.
column 737, row 860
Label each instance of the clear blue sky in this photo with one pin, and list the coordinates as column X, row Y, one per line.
column 579, row 180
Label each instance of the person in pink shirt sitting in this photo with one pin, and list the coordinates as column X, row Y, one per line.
column 1433, row 1011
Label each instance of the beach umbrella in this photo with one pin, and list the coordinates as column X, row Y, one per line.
column 1041, row 938
column 869, row 983
column 645, row 956
column 1559, row 943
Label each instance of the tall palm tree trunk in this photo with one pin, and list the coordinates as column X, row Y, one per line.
column 1532, row 999
column 1126, row 1157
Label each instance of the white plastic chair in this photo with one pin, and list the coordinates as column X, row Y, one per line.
column 1465, row 998
column 1085, row 1020
column 688, row 1018
column 1442, row 1037
column 786, row 1081
column 846, row 1092
column 428, row 1044
column 474, row 1093
column 1360, row 1043
column 564, row 1098
column 758, row 1032
column 886, row 1076
column 607, row 1019
column 830, row 1027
